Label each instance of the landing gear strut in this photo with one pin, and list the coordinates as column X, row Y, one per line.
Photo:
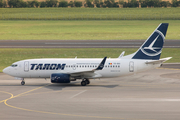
column 23, row 82
column 85, row 82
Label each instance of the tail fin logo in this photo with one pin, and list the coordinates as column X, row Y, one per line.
column 150, row 47
column 155, row 44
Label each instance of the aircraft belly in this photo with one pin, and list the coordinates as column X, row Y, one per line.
column 36, row 74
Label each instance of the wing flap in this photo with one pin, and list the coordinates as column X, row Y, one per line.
column 85, row 75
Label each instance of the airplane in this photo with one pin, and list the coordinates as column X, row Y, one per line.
column 66, row 70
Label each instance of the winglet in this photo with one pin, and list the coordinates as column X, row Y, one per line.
column 101, row 65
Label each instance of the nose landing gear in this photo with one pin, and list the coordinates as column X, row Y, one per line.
column 23, row 82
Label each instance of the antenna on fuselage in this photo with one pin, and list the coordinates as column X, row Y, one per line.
column 122, row 54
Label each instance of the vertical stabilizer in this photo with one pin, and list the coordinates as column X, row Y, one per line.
column 152, row 47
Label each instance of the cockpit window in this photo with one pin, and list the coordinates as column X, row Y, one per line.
column 14, row 65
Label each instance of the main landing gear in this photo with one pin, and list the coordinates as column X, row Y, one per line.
column 85, row 82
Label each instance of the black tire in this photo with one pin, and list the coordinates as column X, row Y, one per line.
column 83, row 83
column 87, row 81
column 22, row 83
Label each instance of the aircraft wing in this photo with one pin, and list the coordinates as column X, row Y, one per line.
column 158, row 61
column 89, row 73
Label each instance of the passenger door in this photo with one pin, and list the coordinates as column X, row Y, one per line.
column 26, row 66
column 131, row 66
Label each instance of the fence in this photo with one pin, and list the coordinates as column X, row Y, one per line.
column 88, row 17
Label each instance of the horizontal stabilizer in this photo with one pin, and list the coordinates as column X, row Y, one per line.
column 158, row 61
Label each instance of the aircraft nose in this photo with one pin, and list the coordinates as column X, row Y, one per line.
column 5, row 70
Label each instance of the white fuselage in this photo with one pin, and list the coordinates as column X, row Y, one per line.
column 43, row 68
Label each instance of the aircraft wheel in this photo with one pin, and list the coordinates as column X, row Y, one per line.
column 23, row 83
column 87, row 81
column 83, row 83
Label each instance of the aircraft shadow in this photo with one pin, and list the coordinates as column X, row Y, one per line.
column 58, row 86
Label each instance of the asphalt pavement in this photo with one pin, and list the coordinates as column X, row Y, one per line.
column 81, row 43
column 151, row 95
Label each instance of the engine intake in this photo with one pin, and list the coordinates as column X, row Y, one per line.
column 60, row 78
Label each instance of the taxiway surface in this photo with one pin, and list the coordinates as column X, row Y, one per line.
column 151, row 95
column 81, row 43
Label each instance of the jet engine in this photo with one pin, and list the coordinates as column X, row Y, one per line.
column 60, row 78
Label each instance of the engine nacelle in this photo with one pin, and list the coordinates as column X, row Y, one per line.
column 60, row 78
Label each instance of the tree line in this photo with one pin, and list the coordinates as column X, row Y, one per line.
column 89, row 3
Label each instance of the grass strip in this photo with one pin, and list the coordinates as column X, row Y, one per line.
column 84, row 30
column 89, row 14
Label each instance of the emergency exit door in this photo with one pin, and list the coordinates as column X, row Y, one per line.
column 26, row 66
